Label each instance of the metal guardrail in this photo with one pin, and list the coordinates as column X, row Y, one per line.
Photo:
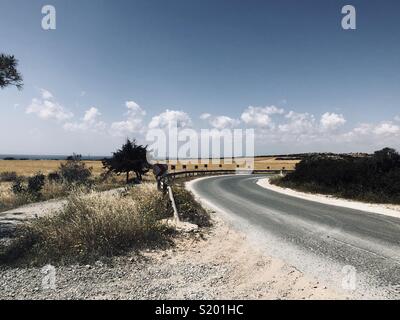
column 173, row 175
column 166, row 180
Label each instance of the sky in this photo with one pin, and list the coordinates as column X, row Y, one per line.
column 116, row 69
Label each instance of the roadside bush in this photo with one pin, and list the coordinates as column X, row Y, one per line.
column 36, row 184
column 8, row 176
column 54, row 177
column 75, row 171
column 90, row 226
column 32, row 189
column 374, row 178
column 18, row 187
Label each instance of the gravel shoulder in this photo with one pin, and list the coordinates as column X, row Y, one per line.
column 214, row 264
column 384, row 209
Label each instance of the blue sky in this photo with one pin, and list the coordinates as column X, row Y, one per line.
column 286, row 68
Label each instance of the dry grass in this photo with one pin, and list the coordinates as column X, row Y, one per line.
column 189, row 209
column 95, row 225
column 31, row 167
column 92, row 225
column 51, row 190
column 7, row 198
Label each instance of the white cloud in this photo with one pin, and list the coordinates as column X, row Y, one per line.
column 91, row 115
column 46, row 95
column 223, row 122
column 260, row 116
column 123, row 128
column 133, row 123
column 90, row 122
column 386, row 129
column 220, row 122
column 370, row 130
column 332, row 121
column 47, row 108
column 397, row 118
column 170, row 118
column 205, row 116
column 134, row 107
column 298, row 123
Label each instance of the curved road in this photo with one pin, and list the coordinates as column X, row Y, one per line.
column 315, row 232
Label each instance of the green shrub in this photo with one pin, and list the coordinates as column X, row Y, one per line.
column 36, row 184
column 32, row 189
column 374, row 178
column 74, row 171
column 18, row 187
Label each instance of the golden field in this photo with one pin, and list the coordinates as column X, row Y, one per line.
column 30, row 167
column 27, row 168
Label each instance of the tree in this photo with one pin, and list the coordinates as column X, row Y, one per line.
column 386, row 159
column 9, row 75
column 131, row 157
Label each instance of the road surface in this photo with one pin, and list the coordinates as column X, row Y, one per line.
column 329, row 241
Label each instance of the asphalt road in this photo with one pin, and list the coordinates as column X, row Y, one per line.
column 339, row 236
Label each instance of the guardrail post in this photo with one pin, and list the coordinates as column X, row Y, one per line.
column 171, row 198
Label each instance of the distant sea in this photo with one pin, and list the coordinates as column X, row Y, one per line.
column 44, row 157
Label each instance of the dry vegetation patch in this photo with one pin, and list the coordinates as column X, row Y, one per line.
column 93, row 225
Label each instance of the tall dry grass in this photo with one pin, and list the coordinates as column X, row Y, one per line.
column 10, row 200
column 7, row 198
column 52, row 190
column 92, row 225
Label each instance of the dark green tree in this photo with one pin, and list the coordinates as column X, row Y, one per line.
column 9, row 75
column 130, row 158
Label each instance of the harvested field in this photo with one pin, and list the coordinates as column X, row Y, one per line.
column 30, row 167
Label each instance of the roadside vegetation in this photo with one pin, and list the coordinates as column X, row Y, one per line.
column 95, row 225
column 369, row 178
column 190, row 210
column 71, row 175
